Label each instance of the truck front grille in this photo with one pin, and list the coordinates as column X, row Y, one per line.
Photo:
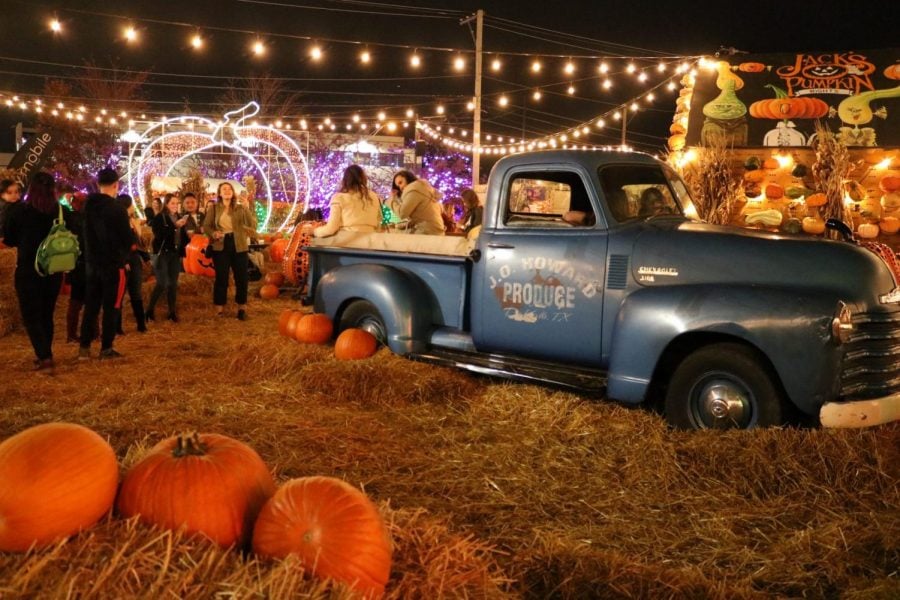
column 871, row 366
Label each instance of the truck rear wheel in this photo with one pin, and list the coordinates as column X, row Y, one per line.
column 362, row 314
column 724, row 386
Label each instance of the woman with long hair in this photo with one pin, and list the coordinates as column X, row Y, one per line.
column 354, row 208
column 229, row 223
column 27, row 226
column 169, row 243
column 419, row 203
column 472, row 210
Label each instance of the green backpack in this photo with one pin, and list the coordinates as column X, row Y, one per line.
column 59, row 250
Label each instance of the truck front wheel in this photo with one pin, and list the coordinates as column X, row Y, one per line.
column 724, row 386
column 362, row 314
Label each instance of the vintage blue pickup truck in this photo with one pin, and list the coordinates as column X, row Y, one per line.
column 587, row 274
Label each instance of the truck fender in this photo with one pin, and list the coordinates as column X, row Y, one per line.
column 405, row 303
column 792, row 331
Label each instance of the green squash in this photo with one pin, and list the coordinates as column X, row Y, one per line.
column 792, row 226
column 799, row 171
column 753, row 163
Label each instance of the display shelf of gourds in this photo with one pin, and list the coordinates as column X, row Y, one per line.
column 316, row 328
column 779, row 199
column 62, row 478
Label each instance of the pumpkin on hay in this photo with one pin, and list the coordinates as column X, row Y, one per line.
column 332, row 528
column 276, row 278
column 276, row 249
column 268, row 292
column 55, row 480
column 314, row 328
column 283, row 320
column 206, row 483
column 290, row 327
column 355, row 344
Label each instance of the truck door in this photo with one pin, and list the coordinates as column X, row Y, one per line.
column 538, row 288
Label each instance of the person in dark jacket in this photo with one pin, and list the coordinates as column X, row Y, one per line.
column 473, row 212
column 194, row 223
column 9, row 195
column 169, row 243
column 28, row 223
column 107, row 242
column 134, row 274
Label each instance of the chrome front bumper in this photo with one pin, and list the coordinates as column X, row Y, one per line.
column 861, row 413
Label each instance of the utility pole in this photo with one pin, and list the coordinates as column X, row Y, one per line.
column 624, row 125
column 476, row 125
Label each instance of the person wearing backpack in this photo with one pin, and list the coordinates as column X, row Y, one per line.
column 107, row 243
column 27, row 227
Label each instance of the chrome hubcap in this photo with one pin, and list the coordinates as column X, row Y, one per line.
column 722, row 403
column 373, row 327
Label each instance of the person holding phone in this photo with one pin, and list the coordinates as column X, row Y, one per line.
column 169, row 243
column 229, row 224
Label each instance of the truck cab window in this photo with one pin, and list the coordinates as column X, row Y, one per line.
column 549, row 199
column 638, row 192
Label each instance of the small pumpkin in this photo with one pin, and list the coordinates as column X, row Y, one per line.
column 283, row 320
column 332, row 528
column 677, row 129
column 774, row 191
column 889, row 183
column 206, row 483
column 890, row 202
column 868, row 230
column 315, row 328
column 268, row 292
column 893, row 71
column 276, row 278
column 770, row 164
column 276, row 249
column 55, row 480
column 890, row 225
column 676, row 142
column 814, row 225
column 354, row 344
column 755, row 176
column 854, row 190
column 816, row 200
column 751, row 67
column 792, row 226
column 290, row 328
column 752, row 189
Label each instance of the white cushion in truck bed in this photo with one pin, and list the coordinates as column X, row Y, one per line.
column 447, row 245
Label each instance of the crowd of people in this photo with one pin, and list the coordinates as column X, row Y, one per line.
column 113, row 259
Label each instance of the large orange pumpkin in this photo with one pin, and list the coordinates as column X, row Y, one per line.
column 207, row 483
column 290, row 328
column 276, row 249
column 314, row 329
column 276, row 278
column 332, row 527
column 786, row 107
column 268, row 292
column 55, row 479
column 354, row 344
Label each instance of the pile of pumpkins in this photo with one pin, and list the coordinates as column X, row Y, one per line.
column 61, row 478
column 316, row 328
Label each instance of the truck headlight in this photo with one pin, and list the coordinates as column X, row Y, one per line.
column 842, row 324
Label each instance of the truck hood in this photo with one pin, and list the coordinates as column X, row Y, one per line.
column 675, row 252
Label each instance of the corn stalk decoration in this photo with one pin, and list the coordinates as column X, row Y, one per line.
column 714, row 187
column 193, row 184
column 830, row 169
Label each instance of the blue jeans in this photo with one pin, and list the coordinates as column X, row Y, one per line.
column 167, row 268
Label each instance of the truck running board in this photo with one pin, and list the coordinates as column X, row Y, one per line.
column 591, row 381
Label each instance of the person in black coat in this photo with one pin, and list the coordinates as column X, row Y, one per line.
column 107, row 239
column 9, row 196
column 169, row 243
column 27, row 224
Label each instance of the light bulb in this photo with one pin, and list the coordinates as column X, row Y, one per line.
column 496, row 64
column 459, row 63
column 258, row 48
column 536, row 95
column 536, row 66
column 631, row 68
column 607, row 84
column 55, row 26
column 365, row 57
column 570, row 68
column 502, row 100
column 130, row 34
column 415, row 61
column 315, row 53
column 196, row 42
column 440, row 109
column 571, row 90
column 409, row 113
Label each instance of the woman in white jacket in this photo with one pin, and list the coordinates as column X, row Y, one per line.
column 420, row 203
column 354, row 208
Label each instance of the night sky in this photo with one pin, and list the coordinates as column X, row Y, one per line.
column 336, row 87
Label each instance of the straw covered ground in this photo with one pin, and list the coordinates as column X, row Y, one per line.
column 490, row 489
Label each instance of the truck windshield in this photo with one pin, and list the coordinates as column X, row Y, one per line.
column 635, row 192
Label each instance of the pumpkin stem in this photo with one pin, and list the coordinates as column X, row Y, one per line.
column 779, row 93
column 188, row 445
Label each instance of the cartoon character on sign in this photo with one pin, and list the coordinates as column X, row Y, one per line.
column 855, row 111
column 786, row 109
column 725, row 114
column 163, row 151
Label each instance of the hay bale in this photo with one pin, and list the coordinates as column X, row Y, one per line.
column 10, row 317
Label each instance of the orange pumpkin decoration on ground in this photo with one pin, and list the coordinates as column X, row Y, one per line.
column 276, row 249
column 268, row 292
column 194, row 262
column 889, row 183
column 333, row 528
column 785, row 107
column 813, row 225
column 276, row 278
column 55, row 480
column 868, row 230
column 283, row 320
column 290, row 328
column 315, row 328
column 207, row 483
column 354, row 344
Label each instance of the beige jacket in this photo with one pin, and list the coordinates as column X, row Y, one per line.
column 243, row 223
column 350, row 212
column 419, row 203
